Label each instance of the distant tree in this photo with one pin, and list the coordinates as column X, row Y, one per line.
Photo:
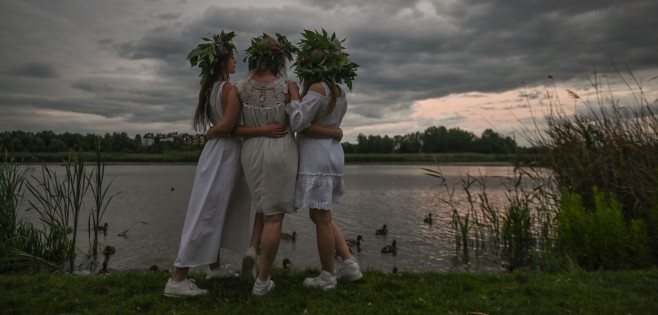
column 35, row 144
column 492, row 142
column 57, row 145
column 434, row 140
column 458, row 140
column 410, row 143
column 348, row 147
column 16, row 145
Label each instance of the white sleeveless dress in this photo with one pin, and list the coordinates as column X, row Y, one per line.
column 218, row 214
column 270, row 164
column 320, row 179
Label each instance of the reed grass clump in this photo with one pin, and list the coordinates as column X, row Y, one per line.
column 607, row 146
column 519, row 232
column 58, row 200
column 593, row 201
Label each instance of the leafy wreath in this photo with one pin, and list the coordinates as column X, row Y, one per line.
column 278, row 54
column 337, row 68
column 206, row 55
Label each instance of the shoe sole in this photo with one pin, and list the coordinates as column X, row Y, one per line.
column 246, row 273
column 320, row 288
column 323, row 288
column 267, row 292
column 180, row 296
column 353, row 277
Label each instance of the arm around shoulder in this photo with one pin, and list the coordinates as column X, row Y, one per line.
column 231, row 107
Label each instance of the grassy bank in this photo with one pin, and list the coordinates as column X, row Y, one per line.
column 193, row 157
column 622, row 292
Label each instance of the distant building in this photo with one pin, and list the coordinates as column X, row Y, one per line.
column 150, row 138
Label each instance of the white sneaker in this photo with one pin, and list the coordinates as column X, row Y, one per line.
column 186, row 287
column 349, row 270
column 262, row 287
column 248, row 271
column 324, row 281
column 223, row 272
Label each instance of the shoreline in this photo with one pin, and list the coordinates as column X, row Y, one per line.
column 184, row 158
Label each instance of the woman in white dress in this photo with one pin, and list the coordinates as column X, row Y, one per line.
column 218, row 211
column 269, row 163
column 321, row 66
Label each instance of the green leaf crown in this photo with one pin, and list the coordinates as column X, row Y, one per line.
column 207, row 54
column 278, row 54
column 336, row 68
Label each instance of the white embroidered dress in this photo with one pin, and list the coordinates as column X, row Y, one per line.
column 218, row 214
column 270, row 164
column 321, row 161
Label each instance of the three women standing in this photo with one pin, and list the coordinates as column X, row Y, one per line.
column 268, row 155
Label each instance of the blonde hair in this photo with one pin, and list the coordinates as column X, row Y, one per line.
column 268, row 62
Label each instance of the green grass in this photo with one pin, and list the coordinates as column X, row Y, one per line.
column 621, row 292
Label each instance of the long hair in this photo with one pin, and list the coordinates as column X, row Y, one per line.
column 203, row 109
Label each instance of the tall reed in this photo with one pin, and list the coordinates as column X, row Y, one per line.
column 605, row 144
column 11, row 194
column 99, row 191
column 516, row 230
column 21, row 244
column 58, row 204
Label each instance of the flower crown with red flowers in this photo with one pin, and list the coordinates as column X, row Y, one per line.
column 277, row 54
column 206, row 55
column 334, row 68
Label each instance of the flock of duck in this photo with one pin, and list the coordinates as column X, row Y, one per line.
column 388, row 249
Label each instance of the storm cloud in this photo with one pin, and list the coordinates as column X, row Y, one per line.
column 123, row 62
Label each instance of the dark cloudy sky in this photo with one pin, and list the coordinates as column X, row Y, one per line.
column 104, row 66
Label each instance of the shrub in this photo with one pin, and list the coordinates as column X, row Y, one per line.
column 602, row 238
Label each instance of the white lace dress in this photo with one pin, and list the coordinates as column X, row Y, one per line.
column 218, row 214
column 321, row 161
column 270, row 164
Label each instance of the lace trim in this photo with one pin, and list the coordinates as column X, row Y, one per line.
column 314, row 205
column 275, row 107
column 318, row 178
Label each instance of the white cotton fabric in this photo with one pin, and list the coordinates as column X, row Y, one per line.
column 219, row 212
column 270, row 164
column 320, row 177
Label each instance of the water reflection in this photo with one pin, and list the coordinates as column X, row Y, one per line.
column 146, row 217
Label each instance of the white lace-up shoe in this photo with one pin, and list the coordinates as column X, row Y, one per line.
column 248, row 271
column 349, row 270
column 324, row 281
column 262, row 287
column 186, row 287
column 223, row 272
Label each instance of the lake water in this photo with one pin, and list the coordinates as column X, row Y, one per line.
column 151, row 203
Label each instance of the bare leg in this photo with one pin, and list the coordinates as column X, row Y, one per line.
column 257, row 232
column 339, row 241
column 180, row 274
column 270, row 239
column 325, row 238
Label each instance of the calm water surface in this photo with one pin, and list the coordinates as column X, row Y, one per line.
column 151, row 203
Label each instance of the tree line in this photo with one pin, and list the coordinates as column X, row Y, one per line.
column 435, row 140
column 432, row 140
column 48, row 141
